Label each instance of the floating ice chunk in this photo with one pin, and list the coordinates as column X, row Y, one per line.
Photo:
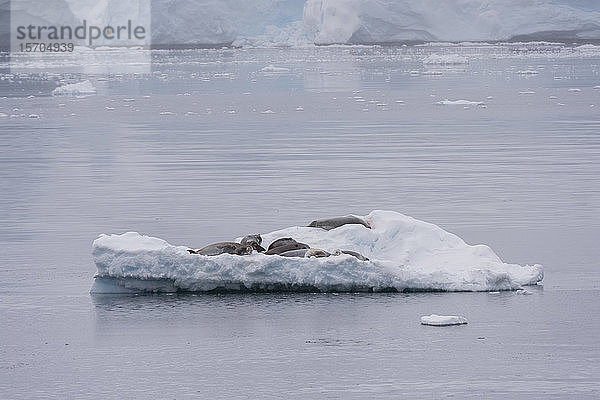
column 596, row 88
column 527, row 92
column 528, row 72
column 432, row 73
column 447, row 102
column 574, row 90
column 167, row 113
column 443, row 320
column 74, row 89
column 268, row 112
column 34, row 116
column 404, row 253
column 445, row 59
column 274, row 69
column 524, row 292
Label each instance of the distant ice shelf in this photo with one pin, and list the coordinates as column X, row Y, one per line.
column 405, row 255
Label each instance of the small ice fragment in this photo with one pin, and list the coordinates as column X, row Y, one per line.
column 527, row 72
column 109, row 108
column 574, row 90
column 399, row 101
column 496, row 292
column 527, row 92
column 443, row 320
column 299, row 108
column 273, row 69
column 268, row 112
column 167, row 113
column 33, row 116
column 31, row 97
column 128, row 100
column 78, row 88
column 447, row 102
column 596, row 88
column 553, row 97
column 524, row 292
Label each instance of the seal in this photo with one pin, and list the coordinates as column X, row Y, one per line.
column 223, row 247
column 255, row 241
column 281, row 242
column 318, row 253
column 351, row 253
column 294, row 253
column 287, row 247
column 332, row 223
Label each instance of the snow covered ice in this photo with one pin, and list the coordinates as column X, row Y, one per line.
column 405, row 255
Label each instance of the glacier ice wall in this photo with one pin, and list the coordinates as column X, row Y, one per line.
column 293, row 22
column 303, row 22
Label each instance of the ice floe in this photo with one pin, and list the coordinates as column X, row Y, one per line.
column 405, row 255
column 447, row 102
column 443, row 320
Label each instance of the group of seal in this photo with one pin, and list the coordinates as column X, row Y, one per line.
column 284, row 247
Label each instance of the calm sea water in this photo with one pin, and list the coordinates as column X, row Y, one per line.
column 210, row 145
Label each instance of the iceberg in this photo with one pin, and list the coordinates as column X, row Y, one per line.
column 405, row 254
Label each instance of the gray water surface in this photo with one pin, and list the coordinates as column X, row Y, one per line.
column 208, row 147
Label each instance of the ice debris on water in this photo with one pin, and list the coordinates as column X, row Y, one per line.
column 443, row 320
column 74, row 89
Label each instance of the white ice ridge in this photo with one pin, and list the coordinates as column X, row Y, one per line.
column 75, row 89
column 443, row 320
column 405, row 255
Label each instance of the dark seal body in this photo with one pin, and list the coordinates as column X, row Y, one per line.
column 354, row 254
column 281, row 242
column 287, row 247
column 254, row 241
column 332, row 223
column 223, row 247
